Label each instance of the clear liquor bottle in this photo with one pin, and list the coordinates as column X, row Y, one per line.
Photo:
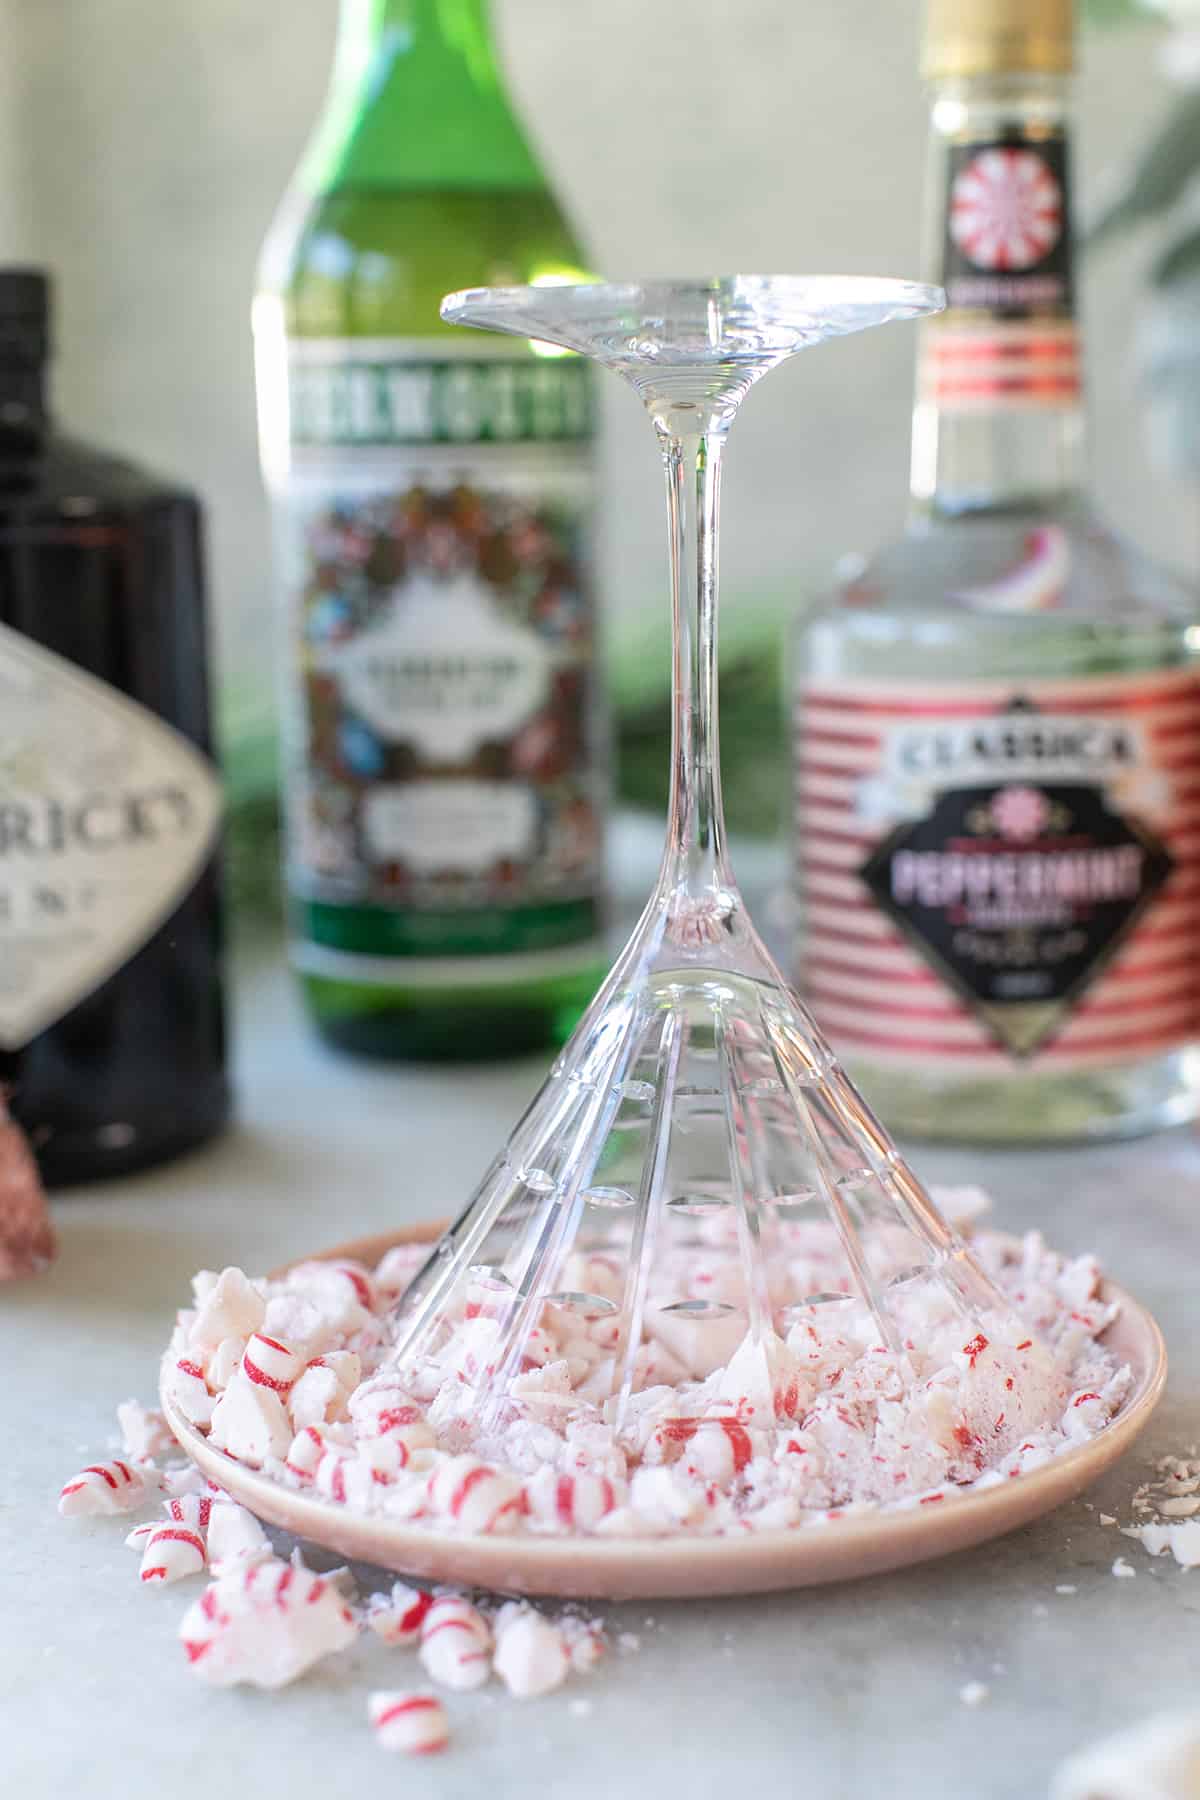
column 445, row 775
column 998, row 722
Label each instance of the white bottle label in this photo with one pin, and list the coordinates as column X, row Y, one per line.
column 443, row 740
column 998, row 878
column 107, row 816
column 442, row 670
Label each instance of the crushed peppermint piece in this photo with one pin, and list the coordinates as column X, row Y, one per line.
column 412, row 1722
column 1123, row 1570
column 264, row 1624
column 974, row 1693
column 722, row 1433
column 1107, row 1519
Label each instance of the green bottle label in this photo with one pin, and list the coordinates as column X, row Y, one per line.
column 445, row 796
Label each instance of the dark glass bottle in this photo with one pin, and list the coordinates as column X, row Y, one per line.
column 111, row 1018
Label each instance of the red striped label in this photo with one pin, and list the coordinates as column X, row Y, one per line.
column 955, row 841
column 998, row 365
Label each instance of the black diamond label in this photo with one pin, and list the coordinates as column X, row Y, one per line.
column 1018, row 894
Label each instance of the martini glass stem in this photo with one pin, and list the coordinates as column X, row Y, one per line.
column 696, row 861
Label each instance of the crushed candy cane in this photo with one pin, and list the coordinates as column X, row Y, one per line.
column 722, row 1433
column 1169, row 1506
column 101, row 1488
column 413, row 1722
column 264, row 1624
column 531, row 1657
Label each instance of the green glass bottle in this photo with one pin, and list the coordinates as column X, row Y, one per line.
column 445, row 781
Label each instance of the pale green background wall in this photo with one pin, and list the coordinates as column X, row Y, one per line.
column 143, row 144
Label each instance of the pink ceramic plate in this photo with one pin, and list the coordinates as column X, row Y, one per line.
column 653, row 1568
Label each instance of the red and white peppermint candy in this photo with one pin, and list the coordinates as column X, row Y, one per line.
column 321, row 1395
column 412, row 1722
column 585, row 1642
column 250, row 1422
column 456, row 1643
column 359, row 1278
column 224, row 1363
column 398, row 1267
column 336, row 1290
column 392, row 1414
column 575, row 1500
column 346, row 1365
column 270, row 1363
column 397, row 1617
column 475, row 1496
column 172, row 1552
column 382, row 1403
column 318, row 1398
column 235, row 1538
column 540, row 1348
column 183, row 1384
column 335, row 1475
column 531, row 1657
column 719, row 1449
column 231, row 1307
column 307, row 1449
column 145, row 1434
column 265, row 1625
column 113, row 1487
column 193, row 1510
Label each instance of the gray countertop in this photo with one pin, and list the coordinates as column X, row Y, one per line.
column 851, row 1691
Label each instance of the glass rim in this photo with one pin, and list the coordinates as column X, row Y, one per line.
column 775, row 294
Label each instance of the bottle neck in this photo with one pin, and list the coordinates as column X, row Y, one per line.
column 416, row 100
column 24, row 423
column 998, row 423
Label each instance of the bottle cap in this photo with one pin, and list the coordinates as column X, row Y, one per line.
column 998, row 37
column 24, row 315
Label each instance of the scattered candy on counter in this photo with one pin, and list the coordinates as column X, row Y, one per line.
column 264, row 1624
column 1170, row 1507
column 456, row 1643
column 291, row 1376
column 112, row 1487
column 397, row 1617
column 412, row 1722
column 531, row 1658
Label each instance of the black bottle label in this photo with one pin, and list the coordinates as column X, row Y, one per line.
column 1018, row 895
column 107, row 817
column 1007, row 243
column 994, row 879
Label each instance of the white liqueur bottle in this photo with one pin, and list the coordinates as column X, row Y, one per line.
column 998, row 722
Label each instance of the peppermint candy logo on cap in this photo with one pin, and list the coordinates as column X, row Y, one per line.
column 1006, row 209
